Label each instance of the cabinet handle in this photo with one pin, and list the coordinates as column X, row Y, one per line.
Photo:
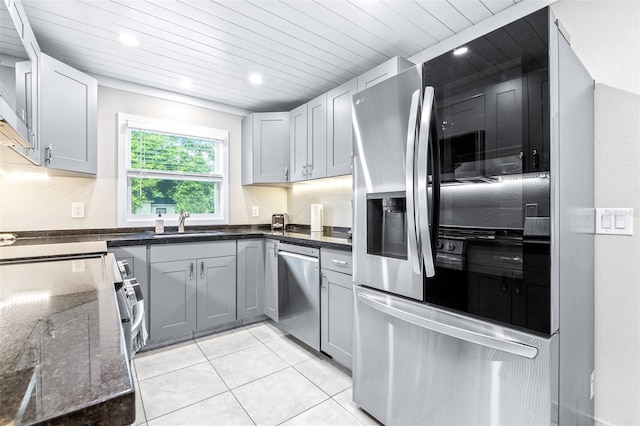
column 339, row 262
column 536, row 159
column 504, row 287
column 201, row 269
column 517, row 289
column 309, row 168
column 286, row 174
column 191, row 271
column 275, row 250
column 324, row 282
column 48, row 153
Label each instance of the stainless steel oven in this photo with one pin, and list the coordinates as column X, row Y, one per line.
column 131, row 308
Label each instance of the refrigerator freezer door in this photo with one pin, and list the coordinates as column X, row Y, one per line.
column 440, row 368
column 385, row 124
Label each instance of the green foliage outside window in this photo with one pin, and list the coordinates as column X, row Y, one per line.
column 151, row 151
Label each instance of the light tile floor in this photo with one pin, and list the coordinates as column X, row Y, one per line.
column 254, row 375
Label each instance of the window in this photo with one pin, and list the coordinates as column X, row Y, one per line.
column 167, row 167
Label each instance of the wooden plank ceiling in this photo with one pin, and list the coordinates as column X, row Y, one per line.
column 301, row 48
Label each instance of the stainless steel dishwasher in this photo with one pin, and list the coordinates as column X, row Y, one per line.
column 299, row 292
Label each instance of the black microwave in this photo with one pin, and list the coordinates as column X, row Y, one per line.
column 462, row 156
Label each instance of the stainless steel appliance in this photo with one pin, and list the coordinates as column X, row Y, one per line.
column 299, row 293
column 131, row 307
column 279, row 222
column 475, row 296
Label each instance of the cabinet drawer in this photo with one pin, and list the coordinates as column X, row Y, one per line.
column 336, row 260
column 171, row 252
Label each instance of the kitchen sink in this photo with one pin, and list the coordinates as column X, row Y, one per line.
column 187, row 233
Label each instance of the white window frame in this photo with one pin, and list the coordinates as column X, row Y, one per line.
column 127, row 122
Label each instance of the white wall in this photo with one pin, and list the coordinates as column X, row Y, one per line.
column 28, row 204
column 335, row 195
column 606, row 37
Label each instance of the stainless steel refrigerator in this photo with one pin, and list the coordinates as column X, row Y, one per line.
column 473, row 235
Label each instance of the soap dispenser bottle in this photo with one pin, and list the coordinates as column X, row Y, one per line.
column 159, row 224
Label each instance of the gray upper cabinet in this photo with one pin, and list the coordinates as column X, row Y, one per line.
column 309, row 140
column 382, row 72
column 68, row 117
column 298, row 140
column 216, row 288
column 265, row 148
column 340, row 129
column 317, row 137
column 271, row 280
column 251, row 278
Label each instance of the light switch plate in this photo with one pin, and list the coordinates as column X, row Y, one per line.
column 614, row 221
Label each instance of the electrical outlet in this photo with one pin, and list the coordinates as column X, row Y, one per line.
column 77, row 210
column 255, row 211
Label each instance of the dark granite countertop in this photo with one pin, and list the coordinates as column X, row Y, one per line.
column 331, row 238
column 62, row 359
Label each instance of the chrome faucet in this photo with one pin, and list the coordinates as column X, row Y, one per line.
column 181, row 219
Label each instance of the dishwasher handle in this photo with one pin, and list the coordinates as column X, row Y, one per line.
column 298, row 256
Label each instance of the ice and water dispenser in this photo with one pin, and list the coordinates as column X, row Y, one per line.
column 387, row 224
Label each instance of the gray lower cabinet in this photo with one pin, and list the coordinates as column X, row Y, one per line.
column 271, row 280
column 336, row 306
column 136, row 256
column 193, row 288
column 251, row 278
column 173, row 303
column 216, row 292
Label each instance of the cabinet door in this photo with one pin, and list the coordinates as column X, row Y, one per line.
column 250, row 279
column 299, row 143
column 340, row 129
column 503, row 127
column 536, row 155
column 463, row 116
column 490, row 296
column 216, row 284
column 271, row 147
column 173, row 302
column 137, row 258
column 336, row 325
column 317, row 137
column 271, row 280
column 68, row 117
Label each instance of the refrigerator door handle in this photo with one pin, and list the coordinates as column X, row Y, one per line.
column 413, row 254
column 425, row 237
column 508, row 346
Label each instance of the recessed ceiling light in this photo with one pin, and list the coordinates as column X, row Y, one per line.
column 460, row 51
column 128, row 39
column 255, row 78
column 186, row 84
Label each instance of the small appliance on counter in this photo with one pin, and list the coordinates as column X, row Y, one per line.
column 279, row 222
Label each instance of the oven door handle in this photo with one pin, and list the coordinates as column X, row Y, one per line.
column 410, row 177
column 503, row 345
column 137, row 321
